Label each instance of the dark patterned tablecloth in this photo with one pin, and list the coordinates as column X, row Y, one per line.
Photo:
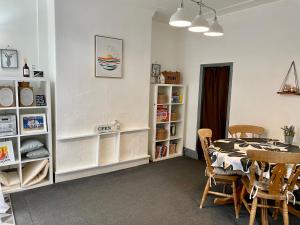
column 231, row 154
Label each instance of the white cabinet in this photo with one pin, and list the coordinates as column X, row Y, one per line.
column 167, row 109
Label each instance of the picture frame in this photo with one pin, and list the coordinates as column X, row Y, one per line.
column 33, row 123
column 9, row 59
column 155, row 70
column 7, row 155
column 108, row 57
column 40, row 100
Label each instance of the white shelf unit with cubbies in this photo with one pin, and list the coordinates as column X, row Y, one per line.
column 167, row 111
column 40, row 86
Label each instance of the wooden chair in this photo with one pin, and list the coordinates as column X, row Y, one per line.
column 241, row 131
column 219, row 175
column 277, row 188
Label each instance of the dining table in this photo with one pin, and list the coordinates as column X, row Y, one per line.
column 231, row 154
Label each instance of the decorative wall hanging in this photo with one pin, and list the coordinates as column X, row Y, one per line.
column 9, row 58
column 291, row 89
column 108, row 57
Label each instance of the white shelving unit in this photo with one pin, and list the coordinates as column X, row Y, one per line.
column 172, row 92
column 40, row 86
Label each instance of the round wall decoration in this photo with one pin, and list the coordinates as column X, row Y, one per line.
column 6, row 97
column 26, row 96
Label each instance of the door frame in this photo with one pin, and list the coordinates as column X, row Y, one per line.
column 200, row 95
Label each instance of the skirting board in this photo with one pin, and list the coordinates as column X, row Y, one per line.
column 190, row 153
column 100, row 170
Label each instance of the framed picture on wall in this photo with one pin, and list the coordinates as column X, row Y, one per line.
column 33, row 123
column 155, row 70
column 9, row 58
column 108, row 57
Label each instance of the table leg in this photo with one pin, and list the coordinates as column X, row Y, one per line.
column 227, row 201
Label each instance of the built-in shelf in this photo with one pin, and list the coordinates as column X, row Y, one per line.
column 74, row 169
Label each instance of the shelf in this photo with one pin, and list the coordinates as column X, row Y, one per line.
column 9, row 136
column 99, row 166
column 10, row 163
column 175, row 138
column 177, row 103
column 8, row 108
column 34, row 107
column 288, row 93
column 162, row 122
column 11, row 189
column 169, row 85
column 162, row 140
column 33, row 134
column 27, row 160
column 40, row 184
column 168, row 157
column 26, row 79
column 176, row 121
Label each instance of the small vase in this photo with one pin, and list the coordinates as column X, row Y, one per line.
column 288, row 140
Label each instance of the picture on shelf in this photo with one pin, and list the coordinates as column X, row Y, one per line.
column 156, row 68
column 6, row 153
column 40, row 100
column 108, row 57
column 9, row 58
column 33, row 123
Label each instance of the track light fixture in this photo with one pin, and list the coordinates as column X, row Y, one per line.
column 181, row 19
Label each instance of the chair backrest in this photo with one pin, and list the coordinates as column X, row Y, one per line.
column 241, row 131
column 279, row 162
column 205, row 136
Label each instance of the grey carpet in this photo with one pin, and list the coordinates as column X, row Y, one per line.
column 160, row 193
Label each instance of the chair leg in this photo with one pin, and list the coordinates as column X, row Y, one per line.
column 276, row 211
column 205, row 193
column 224, row 188
column 253, row 211
column 285, row 213
column 236, row 207
column 242, row 196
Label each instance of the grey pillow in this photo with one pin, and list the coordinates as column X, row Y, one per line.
column 39, row 153
column 30, row 145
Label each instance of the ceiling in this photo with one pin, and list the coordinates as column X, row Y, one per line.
column 165, row 8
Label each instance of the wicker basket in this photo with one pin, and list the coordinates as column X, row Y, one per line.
column 171, row 77
column 162, row 99
column 174, row 116
column 172, row 148
column 161, row 134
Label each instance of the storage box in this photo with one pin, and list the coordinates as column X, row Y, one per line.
column 8, row 125
column 162, row 99
column 161, row 134
column 174, row 116
column 171, row 77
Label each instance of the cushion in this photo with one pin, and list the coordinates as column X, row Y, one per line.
column 40, row 177
column 9, row 178
column 221, row 171
column 39, row 153
column 31, row 170
column 30, row 145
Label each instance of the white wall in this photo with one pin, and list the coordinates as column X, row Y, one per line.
column 164, row 46
column 21, row 27
column 261, row 42
column 82, row 100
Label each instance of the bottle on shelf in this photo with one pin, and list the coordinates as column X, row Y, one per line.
column 26, row 71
